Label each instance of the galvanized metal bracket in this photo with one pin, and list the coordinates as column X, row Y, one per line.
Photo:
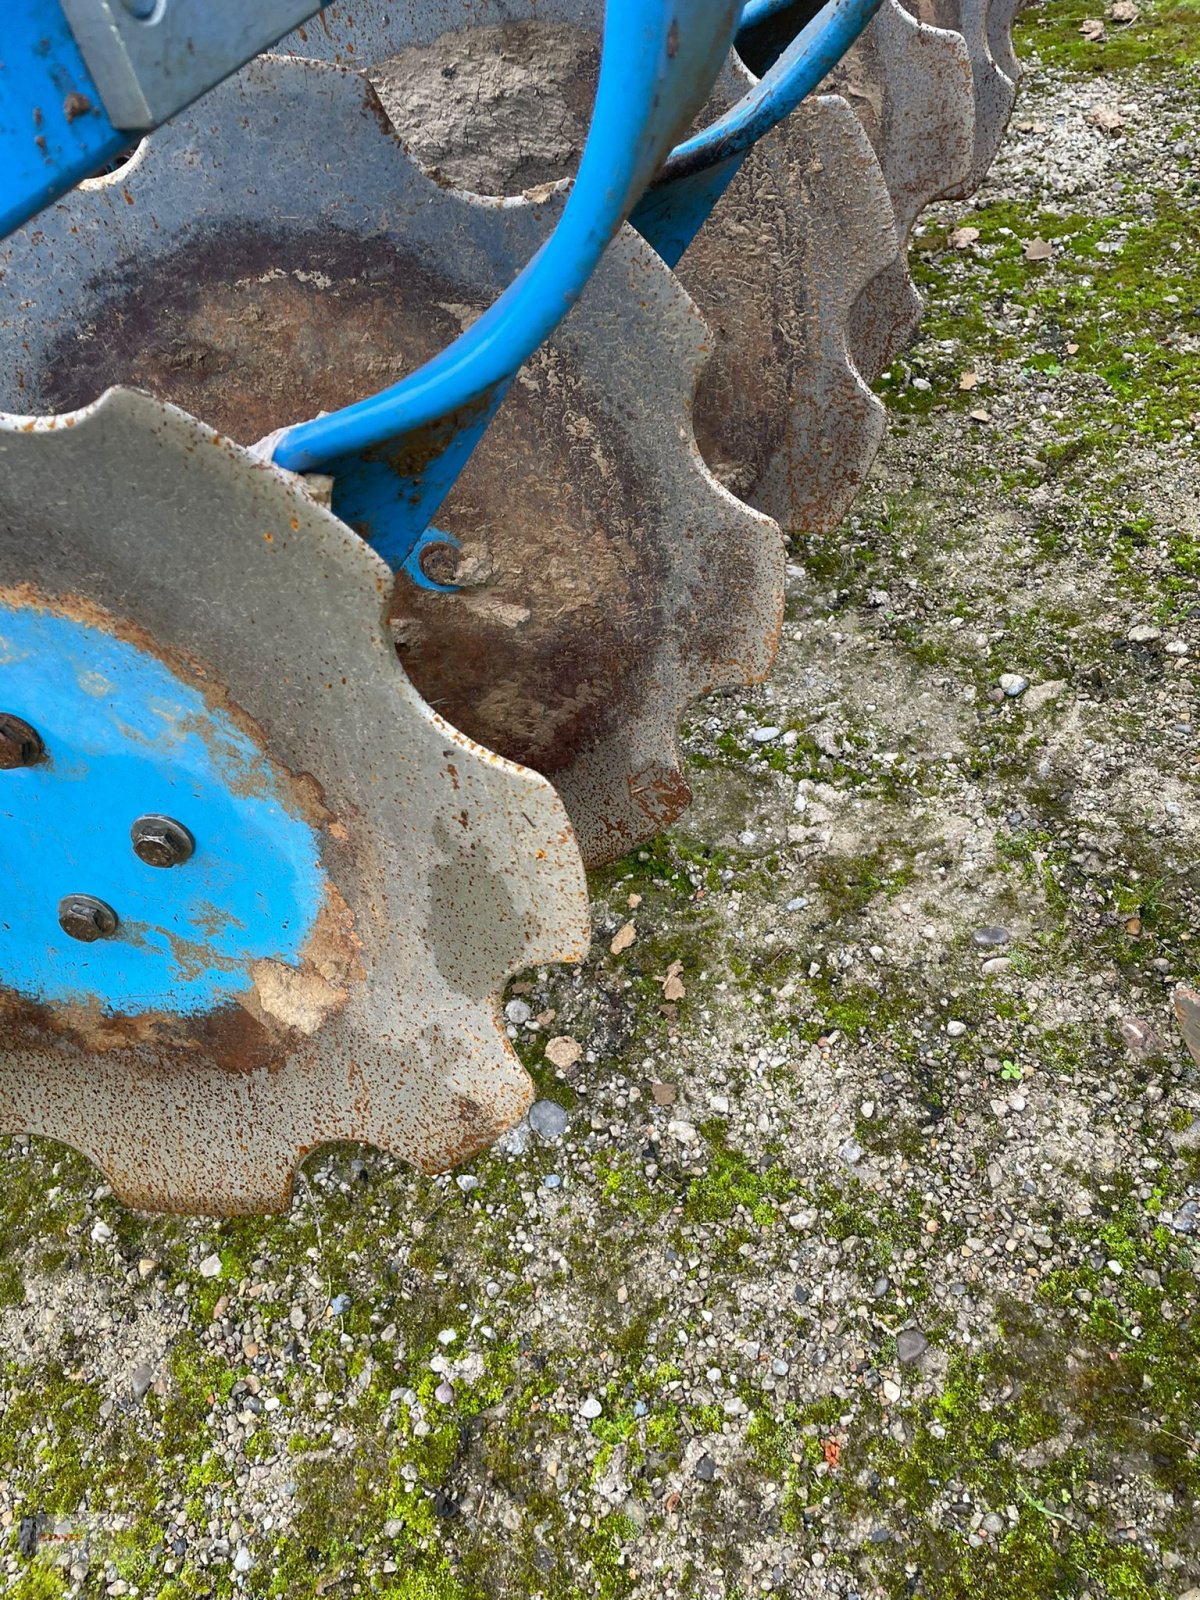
column 150, row 58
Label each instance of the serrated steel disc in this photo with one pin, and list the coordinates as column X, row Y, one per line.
column 783, row 412
column 910, row 85
column 986, row 28
column 274, row 253
column 494, row 97
column 189, row 632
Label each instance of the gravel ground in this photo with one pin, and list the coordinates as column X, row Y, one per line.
column 850, row 1251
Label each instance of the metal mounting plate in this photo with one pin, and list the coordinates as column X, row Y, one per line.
column 150, row 58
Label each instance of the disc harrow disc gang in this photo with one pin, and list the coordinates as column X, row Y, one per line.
column 910, row 85
column 257, row 895
column 783, row 413
column 602, row 577
column 492, row 97
column 986, row 28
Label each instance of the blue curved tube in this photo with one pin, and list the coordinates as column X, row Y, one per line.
column 811, row 56
column 658, row 62
column 674, row 208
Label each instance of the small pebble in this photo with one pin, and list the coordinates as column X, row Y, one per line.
column 911, row 1345
column 956, row 1029
column 1013, row 684
column 989, row 938
column 548, row 1119
column 765, row 735
column 590, row 1408
column 210, row 1267
column 996, row 966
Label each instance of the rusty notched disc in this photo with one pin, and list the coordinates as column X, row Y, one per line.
column 910, row 86
column 191, row 634
column 986, row 29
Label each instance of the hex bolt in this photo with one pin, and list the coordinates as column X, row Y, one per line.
column 161, row 841
column 85, row 918
column 20, row 745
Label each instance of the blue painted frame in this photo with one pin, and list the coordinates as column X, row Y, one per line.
column 54, row 127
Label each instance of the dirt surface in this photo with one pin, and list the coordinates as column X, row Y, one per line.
column 851, row 1249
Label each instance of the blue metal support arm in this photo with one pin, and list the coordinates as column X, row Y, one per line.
column 698, row 171
column 756, row 11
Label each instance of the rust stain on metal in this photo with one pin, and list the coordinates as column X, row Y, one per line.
column 251, row 329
